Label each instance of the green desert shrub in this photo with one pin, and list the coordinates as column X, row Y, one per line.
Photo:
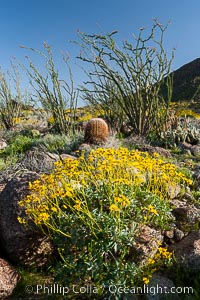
column 93, row 208
column 19, row 145
column 53, row 142
column 185, row 131
column 60, row 143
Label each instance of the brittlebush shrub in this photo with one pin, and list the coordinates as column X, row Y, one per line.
column 92, row 209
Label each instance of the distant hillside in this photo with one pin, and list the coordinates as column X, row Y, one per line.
column 186, row 84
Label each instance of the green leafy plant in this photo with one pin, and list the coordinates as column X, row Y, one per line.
column 19, row 145
column 53, row 142
column 184, row 131
column 92, row 208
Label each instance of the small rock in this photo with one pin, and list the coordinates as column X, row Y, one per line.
column 39, row 161
column 180, row 213
column 67, row 156
column 178, row 203
column 169, row 234
column 188, row 196
column 186, row 215
column 178, row 234
column 195, row 150
column 185, row 146
column 187, row 251
column 84, row 147
column 196, row 177
column 3, row 144
column 191, row 216
column 173, row 191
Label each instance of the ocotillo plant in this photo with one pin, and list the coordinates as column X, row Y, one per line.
column 138, row 72
column 10, row 100
column 54, row 94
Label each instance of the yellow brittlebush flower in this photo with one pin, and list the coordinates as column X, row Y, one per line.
column 114, row 207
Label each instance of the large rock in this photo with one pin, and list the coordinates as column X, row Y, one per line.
column 187, row 216
column 34, row 160
column 21, row 244
column 194, row 149
column 159, row 287
column 8, row 278
column 39, row 161
column 159, row 150
column 187, row 251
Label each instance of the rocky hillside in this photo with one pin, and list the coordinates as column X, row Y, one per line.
column 187, row 82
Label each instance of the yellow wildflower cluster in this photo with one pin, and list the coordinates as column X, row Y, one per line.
column 146, row 279
column 17, row 120
column 188, row 113
column 51, row 120
column 162, row 253
column 88, row 114
column 116, row 170
column 77, row 205
column 134, row 168
column 84, row 114
column 120, row 202
column 162, row 256
column 21, row 220
column 101, row 199
column 85, row 117
column 114, row 207
column 150, row 209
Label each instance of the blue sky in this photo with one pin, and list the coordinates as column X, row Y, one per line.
column 30, row 23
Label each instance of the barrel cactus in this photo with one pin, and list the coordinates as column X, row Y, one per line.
column 96, row 131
